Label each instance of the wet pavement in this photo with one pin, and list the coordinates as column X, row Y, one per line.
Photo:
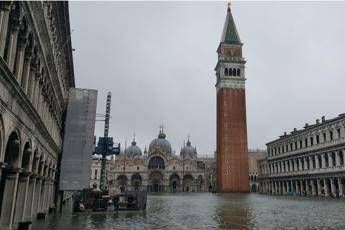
column 211, row 211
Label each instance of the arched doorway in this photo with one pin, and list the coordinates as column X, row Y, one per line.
column 174, row 182
column 122, row 182
column 23, row 183
column 188, row 183
column 155, row 182
column 136, row 181
column 253, row 188
column 9, row 179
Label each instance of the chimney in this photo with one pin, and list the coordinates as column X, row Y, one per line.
column 306, row 125
column 317, row 121
column 323, row 119
column 295, row 129
column 284, row 133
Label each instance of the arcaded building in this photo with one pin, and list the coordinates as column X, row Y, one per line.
column 36, row 72
column 307, row 162
column 158, row 169
column 254, row 155
column 232, row 146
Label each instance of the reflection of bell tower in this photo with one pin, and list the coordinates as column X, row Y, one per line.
column 232, row 149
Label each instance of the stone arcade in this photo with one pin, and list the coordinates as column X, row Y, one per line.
column 36, row 72
column 306, row 162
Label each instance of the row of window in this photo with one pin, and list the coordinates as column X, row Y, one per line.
column 307, row 142
column 232, row 72
column 317, row 161
column 252, row 178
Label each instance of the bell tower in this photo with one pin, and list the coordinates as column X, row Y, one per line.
column 232, row 149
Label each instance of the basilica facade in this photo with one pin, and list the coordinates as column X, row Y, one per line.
column 158, row 169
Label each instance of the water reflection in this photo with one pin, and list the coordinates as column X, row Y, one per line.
column 209, row 211
column 233, row 211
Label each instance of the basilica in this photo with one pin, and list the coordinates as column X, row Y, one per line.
column 157, row 169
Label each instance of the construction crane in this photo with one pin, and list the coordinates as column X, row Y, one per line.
column 105, row 145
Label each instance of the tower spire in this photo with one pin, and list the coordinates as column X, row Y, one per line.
column 229, row 4
column 230, row 34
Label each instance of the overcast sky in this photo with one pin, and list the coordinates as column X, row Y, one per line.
column 158, row 59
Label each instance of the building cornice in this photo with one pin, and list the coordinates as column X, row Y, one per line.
column 308, row 129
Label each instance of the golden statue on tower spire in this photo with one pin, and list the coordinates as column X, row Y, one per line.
column 229, row 4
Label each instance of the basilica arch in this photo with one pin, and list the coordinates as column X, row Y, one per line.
column 156, row 162
column 136, row 181
column 122, row 181
column 175, row 183
column 156, row 182
column 188, row 183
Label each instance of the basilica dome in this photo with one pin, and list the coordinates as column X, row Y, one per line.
column 188, row 150
column 160, row 143
column 133, row 150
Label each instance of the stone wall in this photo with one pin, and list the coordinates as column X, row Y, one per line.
column 36, row 70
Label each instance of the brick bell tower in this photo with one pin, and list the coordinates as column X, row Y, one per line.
column 232, row 149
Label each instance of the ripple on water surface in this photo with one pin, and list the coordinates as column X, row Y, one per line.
column 209, row 211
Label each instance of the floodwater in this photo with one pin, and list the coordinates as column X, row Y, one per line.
column 211, row 211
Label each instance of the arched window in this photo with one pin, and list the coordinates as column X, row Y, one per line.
column 156, row 162
column 230, row 72
column 226, row 72
column 233, row 72
column 238, row 72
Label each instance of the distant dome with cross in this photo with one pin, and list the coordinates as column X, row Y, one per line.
column 160, row 143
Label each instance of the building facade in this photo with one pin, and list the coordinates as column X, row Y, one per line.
column 308, row 162
column 36, row 72
column 95, row 176
column 158, row 169
column 232, row 149
column 254, row 155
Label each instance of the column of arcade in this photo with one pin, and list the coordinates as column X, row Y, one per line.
column 329, row 187
column 26, row 182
